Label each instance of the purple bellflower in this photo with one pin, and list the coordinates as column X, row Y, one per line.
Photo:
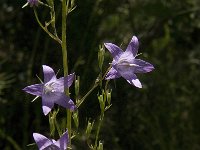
column 44, row 143
column 125, row 64
column 52, row 90
column 33, row 2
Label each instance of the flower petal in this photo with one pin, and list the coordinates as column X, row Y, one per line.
column 132, row 79
column 35, row 89
column 62, row 142
column 47, row 103
column 64, row 101
column 67, row 81
column 48, row 73
column 133, row 46
column 41, row 141
column 112, row 74
column 142, row 66
column 52, row 147
column 114, row 50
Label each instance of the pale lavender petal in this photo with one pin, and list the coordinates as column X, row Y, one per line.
column 48, row 73
column 133, row 46
column 63, row 141
column 114, row 50
column 63, row 100
column 35, row 89
column 67, row 81
column 41, row 141
column 132, row 79
column 112, row 74
column 142, row 66
column 47, row 103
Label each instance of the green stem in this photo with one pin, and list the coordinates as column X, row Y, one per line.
column 94, row 86
column 86, row 95
column 45, row 28
column 98, row 130
column 65, row 61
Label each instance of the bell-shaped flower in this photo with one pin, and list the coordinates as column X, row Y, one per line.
column 44, row 143
column 125, row 64
column 52, row 90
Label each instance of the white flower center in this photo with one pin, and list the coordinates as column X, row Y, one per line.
column 126, row 63
column 48, row 88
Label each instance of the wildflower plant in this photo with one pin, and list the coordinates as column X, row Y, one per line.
column 55, row 90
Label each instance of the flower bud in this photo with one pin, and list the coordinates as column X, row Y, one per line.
column 50, row 2
column 77, row 85
column 108, row 95
column 76, row 118
column 89, row 128
column 100, row 147
column 101, row 56
column 101, row 102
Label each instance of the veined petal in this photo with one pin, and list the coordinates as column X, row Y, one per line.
column 48, row 73
column 41, row 141
column 67, row 81
column 142, row 66
column 112, row 74
column 35, row 89
column 47, row 103
column 63, row 100
column 133, row 46
column 114, row 50
column 132, row 79
column 62, row 142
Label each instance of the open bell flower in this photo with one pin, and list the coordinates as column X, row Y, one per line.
column 52, row 90
column 125, row 64
column 44, row 143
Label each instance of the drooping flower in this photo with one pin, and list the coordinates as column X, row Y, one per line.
column 52, row 90
column 125, row 64
column 33, row 2
column 44, row 143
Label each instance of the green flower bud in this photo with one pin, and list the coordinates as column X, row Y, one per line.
column 101, row 56
column 101, row 102
column 77, row 85
column 89, row 128
column 76, row 119
column 100, row 147
column 108, row 94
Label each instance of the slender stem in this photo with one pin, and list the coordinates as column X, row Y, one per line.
column 65, row 60
column 98, row 129
column 94, row 86
column 86, row 95
column 45, row 29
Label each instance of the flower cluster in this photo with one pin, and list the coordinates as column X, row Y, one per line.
column 52, row 90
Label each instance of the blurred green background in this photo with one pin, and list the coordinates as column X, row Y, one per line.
column 164, row 115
